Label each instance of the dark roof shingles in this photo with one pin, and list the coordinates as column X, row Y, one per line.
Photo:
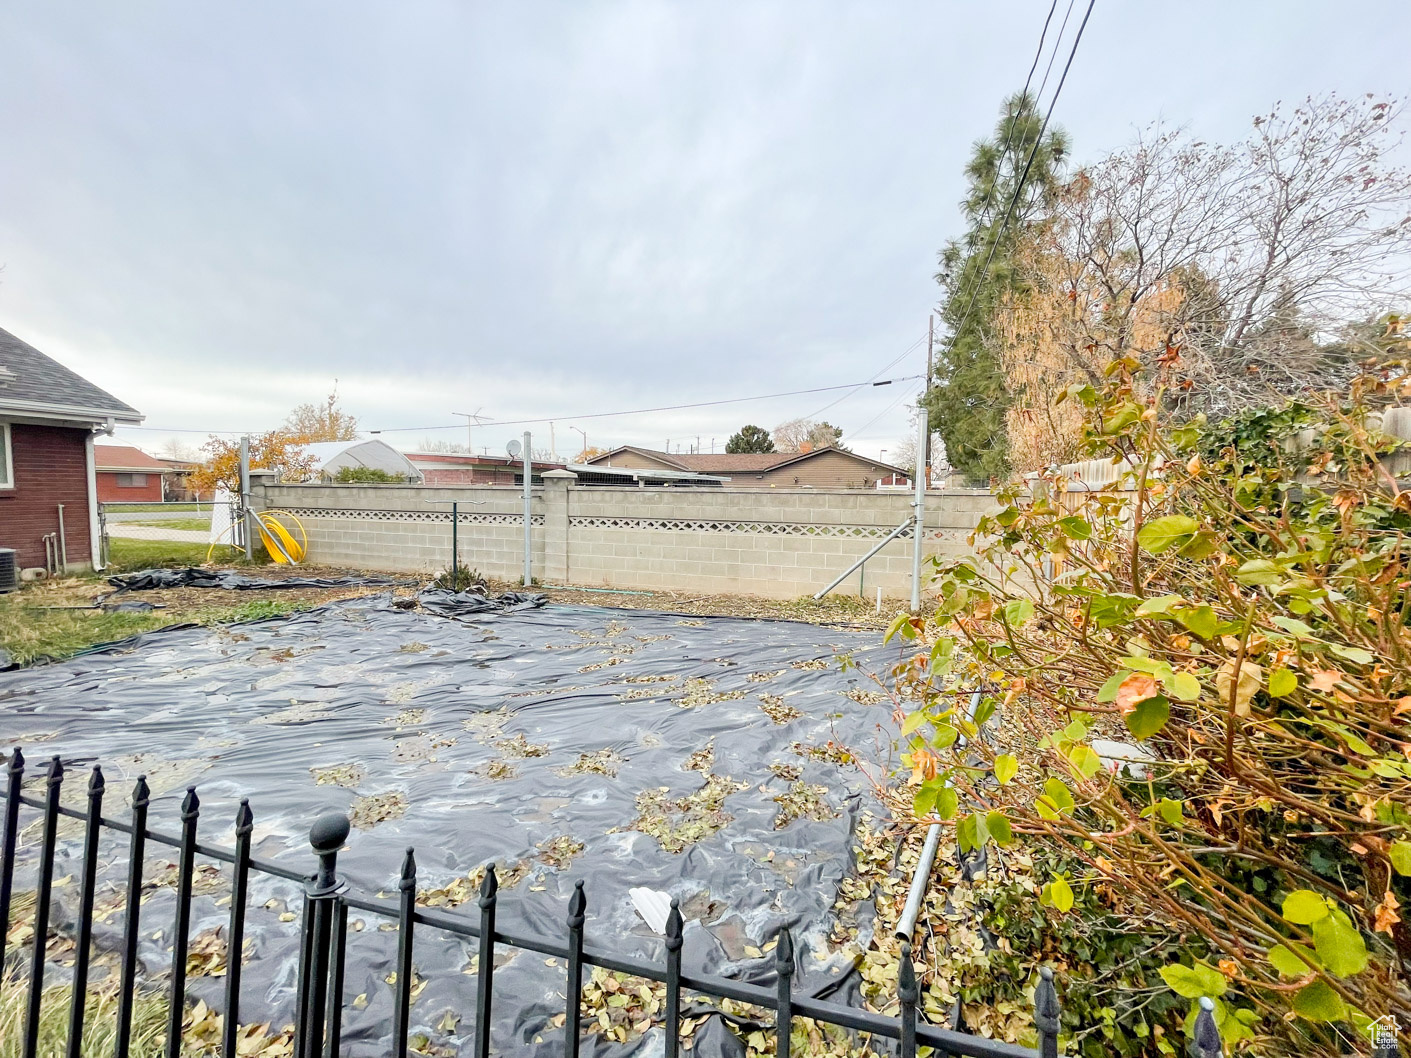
column 33, row 377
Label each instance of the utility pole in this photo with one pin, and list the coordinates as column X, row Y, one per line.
column 528, row 511
column 924, row 411
column 553, row 445
column 584, row 434
column 919, row 507
column 245, row 498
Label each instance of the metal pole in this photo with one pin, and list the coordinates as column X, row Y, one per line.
column 245, row 497
column 918, row 540
column 528, row 528
column 63, row 543
column 930, row 372
column 455, row 549
column 881, row 544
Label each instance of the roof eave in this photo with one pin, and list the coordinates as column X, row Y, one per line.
column 35, row 409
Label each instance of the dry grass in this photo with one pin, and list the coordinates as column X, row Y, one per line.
column 99, row 1020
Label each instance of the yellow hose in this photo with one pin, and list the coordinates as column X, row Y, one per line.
column 278, row 541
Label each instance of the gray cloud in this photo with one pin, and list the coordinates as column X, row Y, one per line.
column 553, row 208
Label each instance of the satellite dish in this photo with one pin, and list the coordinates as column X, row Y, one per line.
column 514, row 448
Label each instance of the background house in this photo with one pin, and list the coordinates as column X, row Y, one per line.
column 444, row 468
column 127, row 474
column 822, row 468
column 48, row 419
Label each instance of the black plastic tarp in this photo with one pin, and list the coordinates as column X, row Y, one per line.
column 510, row 737
column 193, row 577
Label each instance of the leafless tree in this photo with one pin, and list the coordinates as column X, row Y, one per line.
column 1246, row 273
column 794, row 435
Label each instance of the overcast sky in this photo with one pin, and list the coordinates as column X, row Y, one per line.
column 540, row 210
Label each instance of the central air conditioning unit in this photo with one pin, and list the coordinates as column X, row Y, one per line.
column 9, row 569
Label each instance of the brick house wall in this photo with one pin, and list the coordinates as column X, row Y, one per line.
column 112, row 490
column 50, row 468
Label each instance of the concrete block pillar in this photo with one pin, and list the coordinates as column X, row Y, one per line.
column 558, row 489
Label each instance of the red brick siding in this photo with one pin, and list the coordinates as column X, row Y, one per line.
column 109, row 491
column 50, row 468
column 476, row 476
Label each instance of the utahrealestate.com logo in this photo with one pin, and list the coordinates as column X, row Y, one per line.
column 1383, row 1033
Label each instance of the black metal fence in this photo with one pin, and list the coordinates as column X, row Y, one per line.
column 327, row 900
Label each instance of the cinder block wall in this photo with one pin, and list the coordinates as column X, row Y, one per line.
column 780, row 543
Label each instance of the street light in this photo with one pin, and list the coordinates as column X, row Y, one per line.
column 584, row 434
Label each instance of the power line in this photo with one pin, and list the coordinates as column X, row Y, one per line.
column 648, row 411
column 1024, row 176
column 834, row 403
column 1024, row 94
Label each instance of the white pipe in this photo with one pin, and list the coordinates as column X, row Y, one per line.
column 95, row 531
column 906, row 925
column 63, row 543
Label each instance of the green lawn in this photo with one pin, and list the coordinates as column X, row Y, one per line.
column 41, row 626
column 139, row 508
column 125, row 554
column 171, row 523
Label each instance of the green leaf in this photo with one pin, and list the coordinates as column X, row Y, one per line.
column 1400, row 856
column 1183, row 686
column 1339, row 945
column 1148, row 717
column 1108, row 691
column 1000, row 830
column 972, row 833
column 1259, row 571
column 1017, row 611
column 1075, row 528
column 1200, row 620
column 1293, row 626
column 1192, row 982
column 1201, row 546
column 945, row 736
column 1006, row 767
column 947, row 802
column 925, row 799
column 913, row 721
column 898, row 623
column 1165, row 533
column 1282, row 683
column 1356, row 655
column 1161, row 605
column 1304, row 907
column 1059, row 893
column 1318, row 1002
column 1056, row 799
column 1289, row 965
column 1085, row 760
column 1171, row 811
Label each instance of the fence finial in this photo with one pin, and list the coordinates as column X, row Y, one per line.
column 16, row 761
column 577, row 907
column 784, row 954
column 408, row 878
column 327, row 836
column 244, row 818
column 489, row 886
column 1047, row 1013
column 56, row 771
column 190, row 804
column 96, row 785
column 674, row 926
column 141, row 793
column 1206, row 1042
